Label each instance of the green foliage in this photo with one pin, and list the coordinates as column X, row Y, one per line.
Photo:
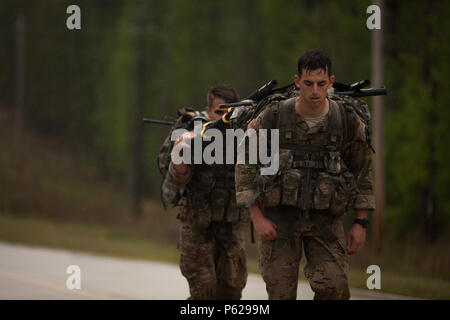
column 115, row 97
column 417, row 115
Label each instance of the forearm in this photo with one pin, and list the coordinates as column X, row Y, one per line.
column 263, row 226
column 361, row 214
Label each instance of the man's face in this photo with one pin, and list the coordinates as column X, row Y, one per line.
column 214, row 112
column 313, row 86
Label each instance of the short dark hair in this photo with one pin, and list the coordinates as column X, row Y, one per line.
column 312, row 60
column 224, row 91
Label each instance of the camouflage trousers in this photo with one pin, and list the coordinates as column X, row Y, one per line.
column 213, row 259
column 327, row 261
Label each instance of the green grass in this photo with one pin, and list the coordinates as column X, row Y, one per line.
column 116, row 241
column 404, row 284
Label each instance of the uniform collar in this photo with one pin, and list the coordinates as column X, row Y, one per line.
column 303, row 125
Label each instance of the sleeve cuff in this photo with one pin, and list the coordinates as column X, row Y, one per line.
column 243, row 197
column 179, row 179
column 364, row 202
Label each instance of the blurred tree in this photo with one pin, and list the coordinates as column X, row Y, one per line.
column 417, row 143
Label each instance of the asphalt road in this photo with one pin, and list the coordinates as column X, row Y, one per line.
column 40, row 273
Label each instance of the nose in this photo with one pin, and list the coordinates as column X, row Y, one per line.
column 315, row 88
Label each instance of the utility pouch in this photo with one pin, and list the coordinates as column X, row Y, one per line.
column 290, row 180
column 270, row 185
column 270, row 188
column 333, row 163
column 325, row 189
column 344, row 195
column 286, row 157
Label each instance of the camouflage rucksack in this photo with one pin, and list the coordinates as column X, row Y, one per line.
column 169, row 192
column 242, row 116
column 360, row 107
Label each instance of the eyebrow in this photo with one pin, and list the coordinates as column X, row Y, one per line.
column 319, row 82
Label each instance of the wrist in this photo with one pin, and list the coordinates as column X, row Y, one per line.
column 362, row 222
column 180, row 168
column 255, row 212
column 361, row 214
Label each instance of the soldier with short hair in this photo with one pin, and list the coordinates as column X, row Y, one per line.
column 325, row 169
column 211, row 239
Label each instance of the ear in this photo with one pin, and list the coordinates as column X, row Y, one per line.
column 331, row 82
column 297, row 81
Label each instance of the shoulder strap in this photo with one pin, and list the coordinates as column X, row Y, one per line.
column 360, row 110
column 337, row 124
column 286, row 122
column 275, row 107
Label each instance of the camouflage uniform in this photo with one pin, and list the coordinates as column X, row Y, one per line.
column 211, row 239
column 324, row 170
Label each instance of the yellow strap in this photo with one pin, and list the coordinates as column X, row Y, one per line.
column 203, row 130
column 225, row 120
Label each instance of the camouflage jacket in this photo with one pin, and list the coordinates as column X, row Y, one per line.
column 334, row 172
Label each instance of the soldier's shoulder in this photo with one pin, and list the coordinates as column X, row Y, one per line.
column 356, row 109
column 265, row 119
column 268, row 118
column 357, row 114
